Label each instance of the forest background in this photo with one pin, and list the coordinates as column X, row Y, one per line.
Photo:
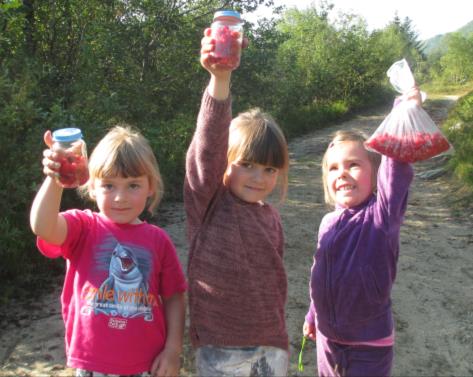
column 95, row 63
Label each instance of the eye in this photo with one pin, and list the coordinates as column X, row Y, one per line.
column 134, row 186
column 332, row 168
column 270, row 170
column 245, row 164
column 354, row 165
column 107, row 186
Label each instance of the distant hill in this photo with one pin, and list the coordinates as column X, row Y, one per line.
column 438, row 44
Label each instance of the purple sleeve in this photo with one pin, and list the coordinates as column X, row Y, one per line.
column 394, row 180
column 310, row 316
column 206, row 159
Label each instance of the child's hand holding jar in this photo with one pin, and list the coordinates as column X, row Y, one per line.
column 66, row 159
column 227, row 34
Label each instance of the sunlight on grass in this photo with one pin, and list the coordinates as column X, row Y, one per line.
column 437, row 90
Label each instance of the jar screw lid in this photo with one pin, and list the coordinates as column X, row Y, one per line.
column 67, row 134
column 227, row 13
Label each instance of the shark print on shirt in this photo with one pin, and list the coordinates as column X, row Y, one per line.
column 124, row 293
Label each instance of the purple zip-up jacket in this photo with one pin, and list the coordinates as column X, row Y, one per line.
column 356, row 261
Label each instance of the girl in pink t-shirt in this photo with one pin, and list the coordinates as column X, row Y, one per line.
column 123, row 295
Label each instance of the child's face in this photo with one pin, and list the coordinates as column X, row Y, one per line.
column 349, row 173
column 120, row 199
column 252, row 182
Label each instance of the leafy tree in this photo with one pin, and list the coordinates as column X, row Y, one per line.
column 254, row 80
column 93, row 63
column 456, row 63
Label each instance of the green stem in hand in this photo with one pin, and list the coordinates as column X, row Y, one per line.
column 300, row 366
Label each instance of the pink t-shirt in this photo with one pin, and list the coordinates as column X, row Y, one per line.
column 111, row 300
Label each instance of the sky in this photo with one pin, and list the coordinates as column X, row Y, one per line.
column 429, row 17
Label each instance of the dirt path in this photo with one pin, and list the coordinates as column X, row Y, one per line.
column 433, row 295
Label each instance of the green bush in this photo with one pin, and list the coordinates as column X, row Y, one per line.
column 169, row 141
column 20, row 156
column 459, row 130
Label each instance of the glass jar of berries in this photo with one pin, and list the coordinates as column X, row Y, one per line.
column 71, row 148
column 227, row 31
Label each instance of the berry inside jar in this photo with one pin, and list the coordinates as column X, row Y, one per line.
column 73, row 171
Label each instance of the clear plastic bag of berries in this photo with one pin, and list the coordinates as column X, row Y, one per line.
column 408, row 133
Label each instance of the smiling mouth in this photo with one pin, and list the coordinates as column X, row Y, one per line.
column 345, row 188
column 254, row 188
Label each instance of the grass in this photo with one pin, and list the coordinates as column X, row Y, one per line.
column 436, row 89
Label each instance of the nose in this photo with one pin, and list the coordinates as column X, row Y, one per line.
column 119, row 195
column 258, row 174
column 342, row 173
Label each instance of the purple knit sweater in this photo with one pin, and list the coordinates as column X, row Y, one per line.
column 237, row 280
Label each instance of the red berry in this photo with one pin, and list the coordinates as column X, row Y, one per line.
column 227, row 47
column 73, row 171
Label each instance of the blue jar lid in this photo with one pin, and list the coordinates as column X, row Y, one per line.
column 227, row 13
column 67, row 134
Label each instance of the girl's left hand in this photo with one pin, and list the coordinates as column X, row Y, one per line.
column 166, row 364
column 308, row 330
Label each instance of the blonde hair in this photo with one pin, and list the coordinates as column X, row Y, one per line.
column 355, row 136
column 125, row 152
column 256, row 137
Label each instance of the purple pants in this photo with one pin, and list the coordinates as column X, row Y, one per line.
column 337, row 360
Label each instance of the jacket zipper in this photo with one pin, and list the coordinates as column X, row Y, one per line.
column 329, row 288
column 330, row 299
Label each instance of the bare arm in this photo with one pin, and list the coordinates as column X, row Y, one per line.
column 167, row 363
column 45, row 220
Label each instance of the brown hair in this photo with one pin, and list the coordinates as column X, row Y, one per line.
column 125, row 152
column 355, row 136
column 256, row 137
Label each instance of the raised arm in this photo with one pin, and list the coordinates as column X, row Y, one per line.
column 394, row 180
column 45, row 220
column 206, row 159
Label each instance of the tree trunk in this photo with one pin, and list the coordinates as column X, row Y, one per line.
column 29, row 28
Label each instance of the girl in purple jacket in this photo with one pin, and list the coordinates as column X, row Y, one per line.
column 350, row 315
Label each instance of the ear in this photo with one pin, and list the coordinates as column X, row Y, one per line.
column 91, row 189
column 226, row 176
column 152, row 188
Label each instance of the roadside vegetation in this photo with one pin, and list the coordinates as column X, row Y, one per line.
column 459, row 131
column 94, row 63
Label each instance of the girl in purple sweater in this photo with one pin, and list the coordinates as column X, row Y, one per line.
column 350, row 315
column 237, row 280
